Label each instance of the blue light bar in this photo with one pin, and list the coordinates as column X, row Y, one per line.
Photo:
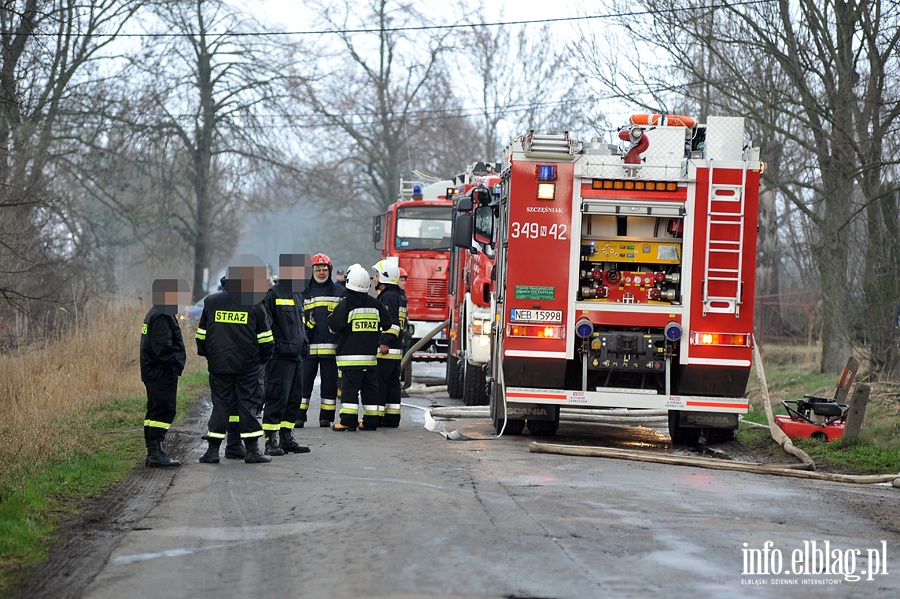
column 547, row 172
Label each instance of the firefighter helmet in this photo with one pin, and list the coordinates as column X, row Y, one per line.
column 388, row 272
column 403, row 274
column 320, row 259
column 357, row 279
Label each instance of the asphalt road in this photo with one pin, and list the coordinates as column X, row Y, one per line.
column 407, row 513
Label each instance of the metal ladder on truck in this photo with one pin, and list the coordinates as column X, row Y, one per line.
column 722, row 282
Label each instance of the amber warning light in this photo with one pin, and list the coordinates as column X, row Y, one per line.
column 634, row 185
column 729, row 339
column 535, row 330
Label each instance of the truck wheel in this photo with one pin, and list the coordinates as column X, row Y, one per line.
column 513, row 427
column 682, row 435
column 543, row 428
column 454, row 386
column 474, row 386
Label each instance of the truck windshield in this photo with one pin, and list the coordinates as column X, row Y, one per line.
column 423, row 228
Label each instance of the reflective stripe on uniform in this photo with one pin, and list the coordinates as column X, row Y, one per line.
column 213, row 435
column 322, row 349
column 289, row 426
column 321, row 302
column 394, row 330
column 265, row 337
column 157, row 424
column 392, row 408
column 201, row 334
column 284, row 301
column 258, row 433
column 234, row 418
column 393, row 354
column 327, row 404
column 370, row 410
column 349, row 408
column 270, row 427
column 357, row 360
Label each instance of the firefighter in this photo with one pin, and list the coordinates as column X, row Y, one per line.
column 162, row 360
column 235, row 336
column 284, row 372
column 358, row 320
column 320, row 298
column 390, row 346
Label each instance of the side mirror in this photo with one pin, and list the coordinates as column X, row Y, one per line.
column 484, row 224
column 462, row 230
column 482, row 196
column 377, row 229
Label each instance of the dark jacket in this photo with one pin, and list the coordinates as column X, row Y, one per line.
column 395, row 302
column 285, row 308
column 235, row 339
column 319, row 301
column 358, row 320
column 162, row 346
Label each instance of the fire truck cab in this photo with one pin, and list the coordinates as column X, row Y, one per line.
column 416, row 233
column 624, row 275
column 471, row 289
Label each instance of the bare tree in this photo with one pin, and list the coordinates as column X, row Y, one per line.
column 371, row 90
column 821, row 76
column 517, row 78
column 45, row 47
column 204, row 104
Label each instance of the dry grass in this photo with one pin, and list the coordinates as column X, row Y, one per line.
column 44, row 390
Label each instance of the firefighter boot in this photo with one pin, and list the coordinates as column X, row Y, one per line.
column 212, row 452
column 253, row 456
column 157, row 458
column 234, row 447
column 288, row 445
column 272, row 444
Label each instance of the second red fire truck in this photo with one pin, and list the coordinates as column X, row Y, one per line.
column 416, row 232
column 471, row 292
column 624, row 275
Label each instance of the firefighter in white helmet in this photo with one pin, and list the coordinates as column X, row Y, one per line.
column 390, row 346
column 320, row 299
column 358, row 320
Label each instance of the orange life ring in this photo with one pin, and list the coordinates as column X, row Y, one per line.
column 664, row 120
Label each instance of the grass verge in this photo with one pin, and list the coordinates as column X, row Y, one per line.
column 74, row 427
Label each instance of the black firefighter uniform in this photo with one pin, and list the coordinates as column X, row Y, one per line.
column 389, row 363
column 162, row 362
column 358, row 320
column 319, row 301
column 236, row 340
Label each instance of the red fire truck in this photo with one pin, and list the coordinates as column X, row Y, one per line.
column 471, row 294
column 624, row 275
column 416, row 232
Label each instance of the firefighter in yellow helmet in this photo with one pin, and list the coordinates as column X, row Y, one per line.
column 390, row 346
column 358, row 321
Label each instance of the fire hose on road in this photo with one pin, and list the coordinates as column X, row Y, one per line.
column 804, row 469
